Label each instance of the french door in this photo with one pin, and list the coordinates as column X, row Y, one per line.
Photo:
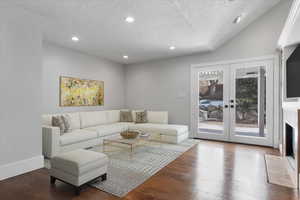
column 233, row 102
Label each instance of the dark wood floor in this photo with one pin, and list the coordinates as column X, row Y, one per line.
column 209, row 171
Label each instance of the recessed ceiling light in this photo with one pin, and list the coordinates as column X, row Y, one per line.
column 129, row 19
column 125, row 57
column 75, row 39
column 238, row 19
column 172, row 47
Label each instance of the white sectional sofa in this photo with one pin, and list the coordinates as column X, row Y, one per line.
column 90, row 128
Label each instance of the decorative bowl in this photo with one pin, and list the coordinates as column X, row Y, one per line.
column 129, row 134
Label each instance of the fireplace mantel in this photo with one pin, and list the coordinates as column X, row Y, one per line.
column 291, row 116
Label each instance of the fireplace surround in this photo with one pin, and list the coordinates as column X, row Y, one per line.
column 290, row 140
column 290, row 144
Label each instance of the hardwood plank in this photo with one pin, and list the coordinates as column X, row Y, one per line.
column 209, row 171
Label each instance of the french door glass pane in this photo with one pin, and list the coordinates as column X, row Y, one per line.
column 211, row 102
column 250, row 102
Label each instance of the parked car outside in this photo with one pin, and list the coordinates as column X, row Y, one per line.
column 204, row 103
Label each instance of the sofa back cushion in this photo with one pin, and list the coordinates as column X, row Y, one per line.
column 113, row 116
column 93, row 118
column 157, row 117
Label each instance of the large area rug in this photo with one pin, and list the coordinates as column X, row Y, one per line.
column 126, row 172
column 277, row 171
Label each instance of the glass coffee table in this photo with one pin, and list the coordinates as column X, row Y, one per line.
column 131, row 143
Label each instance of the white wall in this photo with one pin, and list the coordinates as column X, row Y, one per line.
column 159, row 85
column 29, row 85
column 165, row 84
column 58, row 61
column 20, row 86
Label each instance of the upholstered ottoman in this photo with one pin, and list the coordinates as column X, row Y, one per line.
column 78, row 167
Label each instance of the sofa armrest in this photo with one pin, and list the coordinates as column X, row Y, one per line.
column 50, row 141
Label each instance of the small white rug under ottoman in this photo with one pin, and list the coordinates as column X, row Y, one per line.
column 277, row 171
column 126, row 172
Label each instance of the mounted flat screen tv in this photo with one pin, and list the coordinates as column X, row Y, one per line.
column 293, row 75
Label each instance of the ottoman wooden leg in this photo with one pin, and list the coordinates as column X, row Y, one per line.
column 104, row 177
column 52, row 180
column 77, row 190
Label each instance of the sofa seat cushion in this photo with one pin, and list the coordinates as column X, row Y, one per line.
column 126, row 124
column 165, row 129
column 76, row 136
column 79, row 161
column 109, row 129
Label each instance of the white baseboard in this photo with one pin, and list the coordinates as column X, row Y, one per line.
column 21, row 167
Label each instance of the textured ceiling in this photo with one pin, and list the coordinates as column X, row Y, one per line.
column 190, row 25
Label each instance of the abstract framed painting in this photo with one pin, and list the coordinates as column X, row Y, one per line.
column 81, row 92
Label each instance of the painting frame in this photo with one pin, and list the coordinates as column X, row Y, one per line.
column 62, row 102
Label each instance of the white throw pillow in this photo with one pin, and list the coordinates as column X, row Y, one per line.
column 74, row 120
